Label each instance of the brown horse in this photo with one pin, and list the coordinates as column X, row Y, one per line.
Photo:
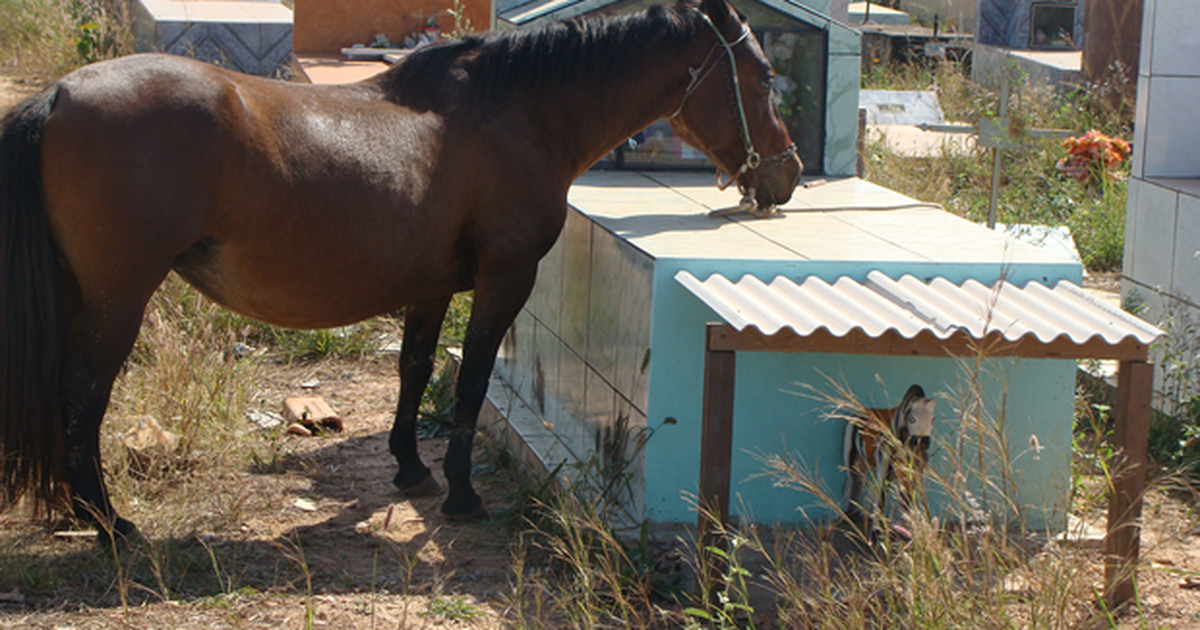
column 445, row 173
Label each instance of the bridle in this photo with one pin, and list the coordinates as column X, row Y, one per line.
column 753, row 159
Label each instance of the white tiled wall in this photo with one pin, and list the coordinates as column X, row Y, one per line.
column 1185, row 272
column 1170, row 135
column 1162, row 233
column 1174, row 48
column 576, row 354
column 1152, row 244
column 251, row 37
column 1167, row 137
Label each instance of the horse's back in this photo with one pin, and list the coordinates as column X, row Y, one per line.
column 226, row 178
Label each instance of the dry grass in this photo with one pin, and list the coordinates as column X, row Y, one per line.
column 48, row 38
column 975, row 565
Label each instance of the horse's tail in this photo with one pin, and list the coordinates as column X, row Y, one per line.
column 32, row 328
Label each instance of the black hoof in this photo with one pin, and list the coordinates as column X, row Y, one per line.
column 121, row 536
column 465, row 510
column 427, row 487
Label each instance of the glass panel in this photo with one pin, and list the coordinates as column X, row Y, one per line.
column 799, row 61
column 1052, row 26
column 798, row 57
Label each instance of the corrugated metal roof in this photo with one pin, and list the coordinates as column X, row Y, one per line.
column 910, row 307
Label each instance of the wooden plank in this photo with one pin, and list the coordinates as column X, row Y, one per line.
column 726, row 337
column 716, row 455
column 1131, row 434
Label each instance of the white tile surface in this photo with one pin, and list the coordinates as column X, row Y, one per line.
column 1185, row 273
column 605, row 291
column 1185, row 185
column 1146, row 52
column 1175, row 46
column 577, row 270
column 544, row 303
column 845, row 220
column 1172, row 142
column 1141, row 107
column 1132, row 209
column 1154, row 244
column 165, row 10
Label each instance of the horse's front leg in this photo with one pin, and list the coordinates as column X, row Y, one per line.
column 498, row 298
column 422, row 325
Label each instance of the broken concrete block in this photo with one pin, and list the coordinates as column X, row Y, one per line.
column 311, row 412
column 150, row 447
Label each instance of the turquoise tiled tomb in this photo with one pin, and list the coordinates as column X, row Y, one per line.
column 609, row 338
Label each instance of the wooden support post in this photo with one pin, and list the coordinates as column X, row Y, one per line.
column 1135, row 380
column 716, row 454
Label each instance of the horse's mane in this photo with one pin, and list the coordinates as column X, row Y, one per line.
column 497, row 64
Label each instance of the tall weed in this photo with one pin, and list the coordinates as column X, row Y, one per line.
column 48, row 38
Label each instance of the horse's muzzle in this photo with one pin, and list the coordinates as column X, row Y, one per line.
column 775, row 183
column 919, row 445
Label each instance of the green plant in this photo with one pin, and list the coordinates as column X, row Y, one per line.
column 453, row 609
column 729, row 607
column 355, row 340
column 1175, row 431
column 454, row 328
column 1032, row 189
column 604, row 476
column 462, row 24
column 293, row 551
column 436, row 415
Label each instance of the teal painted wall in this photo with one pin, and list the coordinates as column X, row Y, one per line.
column 775, row 415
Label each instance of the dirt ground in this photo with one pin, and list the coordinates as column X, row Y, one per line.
column 326, row 513
column 325, row 540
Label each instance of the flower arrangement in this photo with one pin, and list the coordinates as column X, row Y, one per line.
column 1092, row 156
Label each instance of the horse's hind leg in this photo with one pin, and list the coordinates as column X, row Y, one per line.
column 422, row 325
column 100, row 340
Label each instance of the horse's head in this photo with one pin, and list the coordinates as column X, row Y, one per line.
column 727, row 110
column 918, row 426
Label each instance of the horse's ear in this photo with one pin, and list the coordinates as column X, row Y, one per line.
column 718, row 11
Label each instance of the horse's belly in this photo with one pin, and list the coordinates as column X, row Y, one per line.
column 319, row 287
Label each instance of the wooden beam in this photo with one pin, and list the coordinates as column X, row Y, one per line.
column 726, row 337
column 1131, row 434
column 716, row 455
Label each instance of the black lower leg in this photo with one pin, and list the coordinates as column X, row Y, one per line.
column 85, row 400
column 462, row 500
column 422, row 325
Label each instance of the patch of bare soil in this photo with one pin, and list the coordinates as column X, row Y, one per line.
column 1107, row 281
column 1169, row 578
column 13, row 90
column 319, row 536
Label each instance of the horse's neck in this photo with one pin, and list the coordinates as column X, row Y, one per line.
column 586, row 121
column 875, row 422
